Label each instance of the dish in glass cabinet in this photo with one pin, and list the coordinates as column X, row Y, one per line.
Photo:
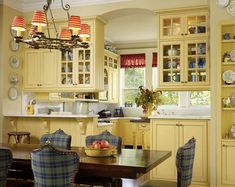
column 229, row 76
column 222, row 3
column 231, row 9
column 14, row 62
column 12, row 93
column 232, row 55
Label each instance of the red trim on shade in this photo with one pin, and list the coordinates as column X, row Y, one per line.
column 39, row 17
column 154, row 61
column 74, row 22
column 133, row 61
column 18, row 21
column 85, row 29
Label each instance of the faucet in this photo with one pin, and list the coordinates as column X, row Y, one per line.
column 50, row 111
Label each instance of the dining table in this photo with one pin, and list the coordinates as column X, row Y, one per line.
column 129, row 163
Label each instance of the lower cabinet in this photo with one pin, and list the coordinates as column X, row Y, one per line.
column 170, row 135
column 228, row 164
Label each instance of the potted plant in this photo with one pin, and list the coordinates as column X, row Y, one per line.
column 148, row 100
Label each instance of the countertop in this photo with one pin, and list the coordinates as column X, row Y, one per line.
column 180, row 117
column 52, row 116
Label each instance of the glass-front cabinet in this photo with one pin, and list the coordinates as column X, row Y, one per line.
column 184, row 63
column 182, row 25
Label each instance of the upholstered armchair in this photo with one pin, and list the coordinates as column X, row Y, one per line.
column 5, row 164
column 59, row 139
column 53, row 166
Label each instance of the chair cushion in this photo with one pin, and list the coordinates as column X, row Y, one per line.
column 106, row 135
column 5, row 164
column 54, row 167
column 184, row 162
column 58, row 139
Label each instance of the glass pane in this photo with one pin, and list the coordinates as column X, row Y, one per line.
column 201, row 48
column 166, row 48
column 201, row 20
column 176, row 31
column 201, row 29
column 166, row 63
column 63, row 67
column 63, row 55
column 166, row 76
column 70, row 55
column 134, row 77
column 129, row 97
column 81, row 55
column 175, row 64
column 176, row 77
column 170, row 98
column 87, row 66
column 192, row 49
column 200, row 98
column 192, row 20
column 87, row 79
column 80, row 67
column 192, row 30
column 87, row 54
column 105, row 77
column 80, row 79
column 70, row 68
column 176, row 22
column 192, row 76
column 202, row 76
column 166, row 22
column 166, row 31
column 201, row 63
column 191, row 62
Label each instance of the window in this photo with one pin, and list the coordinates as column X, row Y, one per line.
column 133, row 78
column 170, row 98
column 200, row 98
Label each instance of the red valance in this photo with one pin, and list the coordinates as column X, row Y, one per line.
column 154, row 63
column 133, row 61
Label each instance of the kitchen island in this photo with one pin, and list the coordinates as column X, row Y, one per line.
column 78, row 126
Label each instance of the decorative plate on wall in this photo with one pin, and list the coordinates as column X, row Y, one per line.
column 12, row 93
column 222, row 3
column 231, row 8
column 13, row 78
column 14, row 62
column 14, row 46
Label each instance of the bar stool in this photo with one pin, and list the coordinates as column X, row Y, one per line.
column 18, row 136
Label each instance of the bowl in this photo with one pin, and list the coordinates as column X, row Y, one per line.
column 105, row 152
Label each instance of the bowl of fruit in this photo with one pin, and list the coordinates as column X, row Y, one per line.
column 100, row 148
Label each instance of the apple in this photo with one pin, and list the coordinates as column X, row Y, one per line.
column 96, row 142
column 104, row 144
column 97, row 145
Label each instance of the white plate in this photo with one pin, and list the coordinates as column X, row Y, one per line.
column 233, row 99
column 14, row 46
column 13, row 78
column 14, row 62
column 12, row 93
column 229, row 76
column 231, row 9
column 222, row 3
column 232, row 55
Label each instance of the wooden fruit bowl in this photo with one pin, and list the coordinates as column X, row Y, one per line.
column 105, row 152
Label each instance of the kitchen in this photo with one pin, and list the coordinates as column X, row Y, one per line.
column 17, row 106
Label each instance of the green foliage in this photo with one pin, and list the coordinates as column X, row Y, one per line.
column 200, row 98
column 134, row 77
column 170, row 98
column 148, row 99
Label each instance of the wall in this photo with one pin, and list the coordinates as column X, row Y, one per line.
column 7, row 106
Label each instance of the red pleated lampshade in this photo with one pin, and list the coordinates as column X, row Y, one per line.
column 74, row 22
column 85, row 30
column 65, row 34
column 39, row 18
column 18, row 23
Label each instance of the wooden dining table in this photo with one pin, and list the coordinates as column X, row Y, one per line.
column 129, row 163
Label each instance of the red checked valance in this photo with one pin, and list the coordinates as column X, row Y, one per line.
column 154, row 62
column 133, row 61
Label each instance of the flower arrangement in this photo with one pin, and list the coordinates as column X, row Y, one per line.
column 148, row 99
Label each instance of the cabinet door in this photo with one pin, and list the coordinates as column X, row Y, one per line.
column 197, row 129
column 228, row 164
column 166, row 137
column 113, row 86
column 197, row 63
column 171, row 63
column 171, row 26
column 32, row 69
column 48, row 63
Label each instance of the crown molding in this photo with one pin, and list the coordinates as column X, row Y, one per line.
column 29, row 5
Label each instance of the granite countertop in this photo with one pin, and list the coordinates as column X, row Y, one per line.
column 179, row 117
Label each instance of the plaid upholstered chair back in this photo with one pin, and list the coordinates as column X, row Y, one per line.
column 106, row 135
column 54, row 167
column 5, row 164
column 59, row 139
column 184, row 163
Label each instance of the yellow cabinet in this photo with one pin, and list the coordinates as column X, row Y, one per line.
column 186, row 23
column 40, row 69
column 183, row 49
column 81, row 68
column 228, row 164
column 170, row 135
column 111, row 78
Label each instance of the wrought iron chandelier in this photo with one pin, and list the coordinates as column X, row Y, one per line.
column 73, row 36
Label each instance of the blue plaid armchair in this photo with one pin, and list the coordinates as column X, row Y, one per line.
column 54, row 167
column 184, row 163
column 59, row 139
column 106, row 135
column 5, row 164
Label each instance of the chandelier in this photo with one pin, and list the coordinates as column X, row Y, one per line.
column 73, row 36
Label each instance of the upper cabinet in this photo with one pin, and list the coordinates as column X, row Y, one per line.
column 111, row 78
column 184, row 25
column 81, row 68
column 40, row 69
column 184, row 60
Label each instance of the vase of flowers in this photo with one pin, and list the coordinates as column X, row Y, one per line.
column 148, row 100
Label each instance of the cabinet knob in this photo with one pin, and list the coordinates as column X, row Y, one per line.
column 182, row 81
column 182, row 34
column 186, row 34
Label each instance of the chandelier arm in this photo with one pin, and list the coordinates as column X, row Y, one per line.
column 53, row 21
column 65, row 8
